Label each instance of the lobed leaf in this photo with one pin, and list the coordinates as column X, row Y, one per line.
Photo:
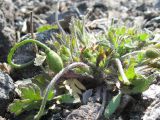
column 31, row 92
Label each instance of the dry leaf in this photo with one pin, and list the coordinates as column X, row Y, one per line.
column 39, row 60
column 74, row 87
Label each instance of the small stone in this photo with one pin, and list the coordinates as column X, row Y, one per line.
column 85, row 112
column 66, row 112
column 152, row 92
column 7, row 31
column 6, row 92
column 157, row 4
column 1, row 118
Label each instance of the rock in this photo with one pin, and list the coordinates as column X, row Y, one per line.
column 150, row 15
column 64, row 18
column 99, row 10
column 56, row 116
column 1, row 118
column 153, row 23
column 85, row 112
column 142, row 7
column 6, row 92
column 86, row 95
column 152, row 92
column 82, row 7
column 157, row 4
column 66, row 112
column 153, row 111
column 7, row 33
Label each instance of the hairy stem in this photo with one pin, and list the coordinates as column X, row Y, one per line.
column 121, row 71
column 52, row 83
column 17, row 45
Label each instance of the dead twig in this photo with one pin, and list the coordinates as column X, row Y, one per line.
column 31, row 31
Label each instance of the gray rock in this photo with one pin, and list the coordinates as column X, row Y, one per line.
column 64, row 17
column 1, row 118
column 157, row 4
column 153, row 111
column 85, row 112
column 6, row 92
column 7, row 33
column 152, row 92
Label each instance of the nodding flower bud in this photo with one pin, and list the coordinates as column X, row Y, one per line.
column 53, row 59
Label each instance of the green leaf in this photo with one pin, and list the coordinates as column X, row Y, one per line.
column 130, row 72
column 74, row 45
column 46, row 27
column 112, row 38
column 79, row 31
column 18, row 106
column 140, row 57
column 113, row 105
column 143, row 36
column 131, row 31
column 56, row 44
column 30, row 98
column 65, row 53
column 142, row 83
column 50, row 95
column 121, row 31
column 87, row 53
column 41, row 80
column 30, row 91
column 65, row 98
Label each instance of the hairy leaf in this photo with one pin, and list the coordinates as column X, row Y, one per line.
column 142, row 83
column 113, row 105
column 130, row 72
column 65, row 98
column 65, row 53
column 143, row 36
column 19, row 106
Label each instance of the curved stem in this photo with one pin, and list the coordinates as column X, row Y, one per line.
column 121, row 71
column 17, row 45
column 52, row 83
